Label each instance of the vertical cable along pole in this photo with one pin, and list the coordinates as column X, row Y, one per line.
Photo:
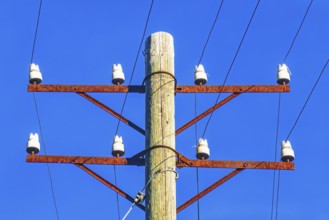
column 160, row 127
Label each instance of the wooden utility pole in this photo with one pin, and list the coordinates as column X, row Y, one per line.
column 160, row 127
column 159, row 156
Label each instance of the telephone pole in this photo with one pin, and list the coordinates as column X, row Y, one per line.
column 159, row 155
column 160, row 163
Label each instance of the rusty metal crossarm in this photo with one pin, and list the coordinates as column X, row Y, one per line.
column 141, row 89
column 233, row 89
column 85, row 88
column 112, row 112
column 110, row 185
column 180, row 163
column 209, row 189
column 238, row 164
column 84, row 160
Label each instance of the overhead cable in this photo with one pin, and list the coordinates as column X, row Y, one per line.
column 233, row 61
column 308, row 98
column 300, row 26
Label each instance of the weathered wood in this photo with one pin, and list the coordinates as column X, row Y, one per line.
column 160, row 128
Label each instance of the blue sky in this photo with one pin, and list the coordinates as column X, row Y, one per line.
column 77, row 44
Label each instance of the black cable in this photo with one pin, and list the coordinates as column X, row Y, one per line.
column 130, row 80
column 300, row 26
column 37, row 111
column 212, row 27
column 229, row 71
column 275, row 152
column 308, row 98
column 48, row 167
column 198, row 191
column 135, row 63
column 277, row 196
column 36, row 31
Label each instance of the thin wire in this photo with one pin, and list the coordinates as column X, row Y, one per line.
column 196, row 140
column 299, row 28
column 308, row 98
column 275, row 152
column 212, row 27
column 195, row 99
column 277, row 196
column 48, row 167
column 36, row 31
column 229, row 71
column 135, row 63
column 146, row 185
column 130, row 80
column 37, row 112
column 198, row 191
column 117, row 194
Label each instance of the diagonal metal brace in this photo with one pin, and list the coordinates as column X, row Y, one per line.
column 112, row 112
column 207, row 112
column 110, row 185
column 209, row 189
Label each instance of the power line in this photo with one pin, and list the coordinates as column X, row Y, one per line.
column 308, row 98
column 126, row 95
column 36, row 31
column 275, row 151
column 212, row 27
column 135, row 63
column 48, row 167
column 37, row 111
column 300, row 26
column 235, row 56
column 195, row 100
column 277, row 196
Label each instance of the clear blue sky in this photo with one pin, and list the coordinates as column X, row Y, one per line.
column 78, row 41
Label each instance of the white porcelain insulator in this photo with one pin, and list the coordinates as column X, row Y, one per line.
column 33, row 144
column 283, row 76
column 35, row 74
column 118, row 76
column 118, row 148
column 200, row 76
column 287, row 153
column 202, row 150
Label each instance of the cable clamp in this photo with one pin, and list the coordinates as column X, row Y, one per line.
column 139, row 199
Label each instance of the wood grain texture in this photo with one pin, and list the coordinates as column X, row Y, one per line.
column 160, row 128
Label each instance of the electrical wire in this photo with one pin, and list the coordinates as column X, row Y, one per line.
column 233, row 61
column 300, row 26
column 48, row 167
column 38, row 115
column 308, row 98
column 126, row 95
column 277, row 196
column 277, row 129
column 212, row 28
column 146, row 185
column 135, row 63
column 195, row 100
column 275, row 152
column 36, row 31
